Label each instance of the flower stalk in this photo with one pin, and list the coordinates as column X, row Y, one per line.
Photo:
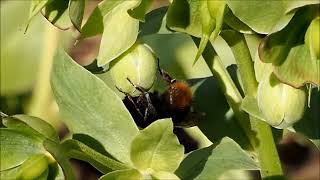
column 264, row 146
column 258, row 132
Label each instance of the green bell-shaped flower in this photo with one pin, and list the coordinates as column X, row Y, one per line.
column 281, row 104
column 139, row 65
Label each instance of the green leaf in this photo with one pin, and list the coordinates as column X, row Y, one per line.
column 94, row 24
column 159, row 175
column 155, row 22
column 36, row 6
column 78, row 150
column 9, row 173
column 253, row 41
column 123, row 174
column 60, row 155
column 36, row 124
column 176, row 53
column 213, row 161
column 92, row 108
column 231, row 20
column 156, row 147
column 140, row 11
column 259, row 18
column 76, row 11
column 17, row 146
column 266, row 20
column 216, row 9
column 275, row 47
column 184, row 16
column 223, row 50
column 208, row 24
column 250, row 105
column 299, row 68
column 120, row 33
column 291, row 59
column 292, row 5
column 56, row 13
column 91, row 142
column 35, row 167
column 262, row 69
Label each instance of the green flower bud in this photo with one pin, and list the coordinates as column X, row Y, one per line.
column 312, row 38
column 33, row 167
column 139, row 65
column 281, row 104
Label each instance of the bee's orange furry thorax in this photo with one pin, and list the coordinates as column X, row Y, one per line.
column 181, row 95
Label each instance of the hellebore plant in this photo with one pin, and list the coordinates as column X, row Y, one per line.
column 274, row 45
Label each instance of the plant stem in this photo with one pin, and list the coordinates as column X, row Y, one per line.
column 228, row 88
column 265, row 145
column 41, row 95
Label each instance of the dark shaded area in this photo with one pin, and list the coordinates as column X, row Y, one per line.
column 11, row 105
column 218, row 121
column 93, row 68
column 233, row 70
column 309, row 125
column 179, row 13
column 300, row 158
column 186, row 140
column 293, row 153
column 153, row 21
column 194, row 163
column 149, row 107
column 85, row 171
column 91, row 142
column 59, row 6
column 56, row 8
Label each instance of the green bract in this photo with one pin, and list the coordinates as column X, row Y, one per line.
column 281, row 104
column 312, row 38
column 139, row 65
column 120, row 32
column 34, row 167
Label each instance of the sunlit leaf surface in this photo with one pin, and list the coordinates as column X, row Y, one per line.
column 90, row 107
column 211, row 162
column 156, row 147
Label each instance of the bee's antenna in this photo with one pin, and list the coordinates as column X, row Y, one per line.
column 164, row 74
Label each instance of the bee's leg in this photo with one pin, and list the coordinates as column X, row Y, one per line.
column 139, row 88
column 145, row 118
column 135, row 106
column 165, row 75
column 146, row 100
column 150, row 108
column 120, row 90
column 131, row 100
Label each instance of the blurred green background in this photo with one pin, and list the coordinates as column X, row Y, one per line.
column 26, row 59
